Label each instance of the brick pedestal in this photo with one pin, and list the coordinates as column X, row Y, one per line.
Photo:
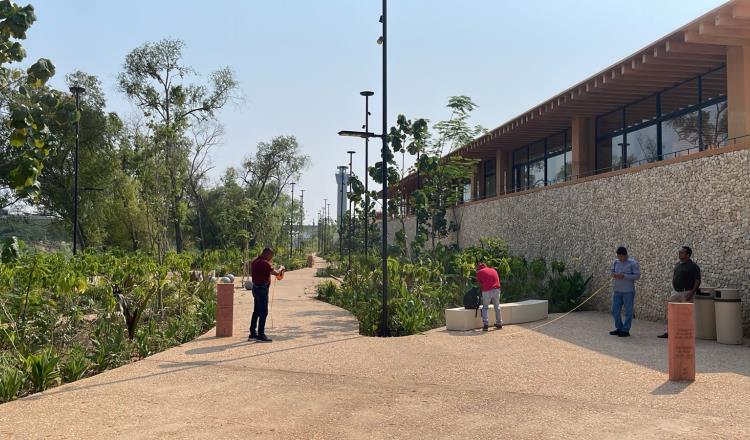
column 681, row 328
column 224, row 309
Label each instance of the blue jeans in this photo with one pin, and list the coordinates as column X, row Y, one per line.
column 620, row 299
column 260, row 309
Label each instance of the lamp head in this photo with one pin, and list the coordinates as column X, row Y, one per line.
column 366, row 93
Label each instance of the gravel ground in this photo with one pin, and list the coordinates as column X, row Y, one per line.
column 320, row 379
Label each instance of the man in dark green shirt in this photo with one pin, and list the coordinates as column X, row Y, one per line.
column 685, row 280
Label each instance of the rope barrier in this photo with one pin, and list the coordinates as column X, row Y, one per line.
column 525, row 330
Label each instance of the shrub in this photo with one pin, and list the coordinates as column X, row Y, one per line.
column 75, row 365
column 41, row 369
column 11, row 382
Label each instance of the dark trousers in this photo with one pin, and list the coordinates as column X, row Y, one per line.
column 260, row 309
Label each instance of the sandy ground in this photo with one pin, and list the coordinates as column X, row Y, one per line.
column 320, row 379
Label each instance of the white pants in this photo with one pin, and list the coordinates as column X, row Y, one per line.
column 492, row 296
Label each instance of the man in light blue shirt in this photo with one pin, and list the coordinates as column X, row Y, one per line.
column 625, row 270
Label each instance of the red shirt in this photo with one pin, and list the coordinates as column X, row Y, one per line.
column 260, row 271
column 488, row 279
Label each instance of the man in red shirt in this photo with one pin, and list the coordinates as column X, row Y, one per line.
column 261, row 271
column 489, row 284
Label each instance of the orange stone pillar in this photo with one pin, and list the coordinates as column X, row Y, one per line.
column 681, row 328
column 738, row 90
column 224, row 309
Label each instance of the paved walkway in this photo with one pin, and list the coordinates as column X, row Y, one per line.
column 320, row 379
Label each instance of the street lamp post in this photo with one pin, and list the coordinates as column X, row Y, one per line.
column 325, row 226
column 328, row 224
column 291, row 225
column 351, row 214
column 383, row 41
column 76, row 90
column 367, row 94
column 301, row 219
column 340, row 214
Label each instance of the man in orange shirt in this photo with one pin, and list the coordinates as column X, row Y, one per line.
column 489, row 284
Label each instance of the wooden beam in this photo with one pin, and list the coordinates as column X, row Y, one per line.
column 741, row 12
column 711, row 29
column 649, row 59
column 694, row 37
column 701, row 49
column 727, row 21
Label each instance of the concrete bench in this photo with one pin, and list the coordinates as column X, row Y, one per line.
column 513, row 313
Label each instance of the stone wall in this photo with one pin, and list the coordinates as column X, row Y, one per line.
column 702, row 202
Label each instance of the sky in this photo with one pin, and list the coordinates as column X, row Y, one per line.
column 301, row 63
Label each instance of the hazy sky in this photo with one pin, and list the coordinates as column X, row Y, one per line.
column 301, row 64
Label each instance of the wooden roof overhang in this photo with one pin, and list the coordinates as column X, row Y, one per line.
column 692, row 50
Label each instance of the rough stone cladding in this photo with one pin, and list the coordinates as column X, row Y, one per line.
column 703, row 203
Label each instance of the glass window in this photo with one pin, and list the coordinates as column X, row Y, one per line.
column 641, row 112
column 536, row 174
column 489, row 178
column 609, row 154
column 568, row 158
column 520, row 177
column 715, row 125
column 609, row 123
column 679, row 98
column 642, row 146
column 536, row 151
column 679, row 134
column 520, row 156
column 714, row 85
column 556, row 144
column 556, row 168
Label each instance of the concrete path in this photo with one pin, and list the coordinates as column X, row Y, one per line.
column 320, row 379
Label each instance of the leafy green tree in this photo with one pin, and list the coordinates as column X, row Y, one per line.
column 153, row 77
column 28, row 107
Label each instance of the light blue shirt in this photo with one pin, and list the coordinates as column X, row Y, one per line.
column 632, row 272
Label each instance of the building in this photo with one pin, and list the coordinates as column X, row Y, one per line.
column 342, row 192
column 652, row 152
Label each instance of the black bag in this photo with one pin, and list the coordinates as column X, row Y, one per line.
column 472, row 299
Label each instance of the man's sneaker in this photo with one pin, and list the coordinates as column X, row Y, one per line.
column 623, row 334
column 485, row 328
column 252, row 336
column 664, row 336
column 498, row 326
column 263, row 338
column 615, row 333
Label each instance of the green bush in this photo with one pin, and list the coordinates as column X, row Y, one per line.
column 11, row 383
column 420, row 291
column 76, row 365
column 41, row 369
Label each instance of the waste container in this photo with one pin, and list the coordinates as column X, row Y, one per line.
column 705, row 314
column 728, row 306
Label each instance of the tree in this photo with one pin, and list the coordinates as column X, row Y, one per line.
column 27, row 107
column 152, row 77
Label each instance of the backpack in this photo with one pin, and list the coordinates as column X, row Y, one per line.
column 472, row 299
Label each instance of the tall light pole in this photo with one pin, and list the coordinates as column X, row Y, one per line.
column 291, row 224
column 301, row 218
column 325, row 225
column 351, row 214
column 340, row 214
column 76, row 90
column 367, row 94
column 384, row 41
column 328, row 224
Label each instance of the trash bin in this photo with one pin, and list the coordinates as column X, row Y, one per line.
column 705, row 314
column 728, row 306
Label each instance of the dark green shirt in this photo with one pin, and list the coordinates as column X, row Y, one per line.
column 685, row 275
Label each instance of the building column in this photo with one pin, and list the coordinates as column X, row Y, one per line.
column 583, row 145
column 738, row 90
column 502, row 171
